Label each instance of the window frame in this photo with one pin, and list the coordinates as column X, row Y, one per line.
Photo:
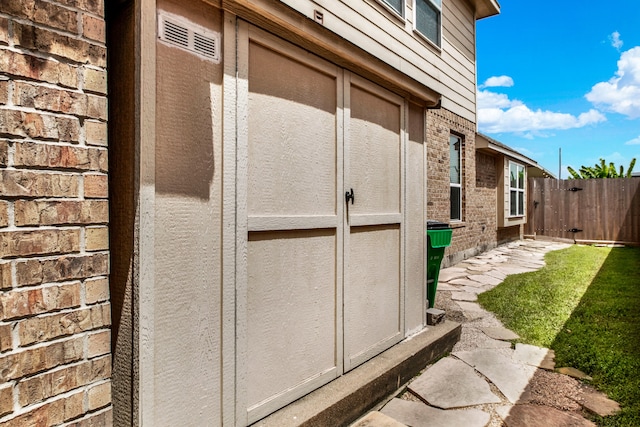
column 457, row 185
column 438, row 8
column 517, row 190
column 390, row 8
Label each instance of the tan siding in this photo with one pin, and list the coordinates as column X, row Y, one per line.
column 449, row 71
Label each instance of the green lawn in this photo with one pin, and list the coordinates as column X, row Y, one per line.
column 585, row 305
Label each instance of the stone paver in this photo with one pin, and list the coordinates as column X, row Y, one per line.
column 484, row 356
column 534, row 356
column 377, row 419
column 451, row 383
column 535, row 415
column 485, row 279
column 500, row 333
column 417, row 414
column 509, row 376
column 464, row 296
column 448, row 274
column 573, row 372
column 599, row 404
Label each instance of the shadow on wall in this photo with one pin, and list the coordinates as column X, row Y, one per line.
column 184, row 129
column 630, row 229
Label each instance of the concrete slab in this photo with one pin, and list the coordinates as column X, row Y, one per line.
column 448, row 274
column 377, row 419
column 451, row 383
column 417, row 414
column 536, row 415
column 535, row 356
column 464, row 296
column 508, row 375
column 500, row 333
column 346, row 398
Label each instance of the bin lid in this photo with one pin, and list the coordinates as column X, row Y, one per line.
column 437, row 225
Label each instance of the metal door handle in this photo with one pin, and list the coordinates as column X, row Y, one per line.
column 350, row 196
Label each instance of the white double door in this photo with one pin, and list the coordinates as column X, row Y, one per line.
column 324, row 275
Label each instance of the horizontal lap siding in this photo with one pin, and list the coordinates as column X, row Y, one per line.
column 369, row 25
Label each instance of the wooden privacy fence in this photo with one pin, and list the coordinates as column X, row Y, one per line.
column 585, row 210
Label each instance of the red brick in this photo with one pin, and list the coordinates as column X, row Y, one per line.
column 17, row 183
column 34, row 360
column 51, row 414
column 96, row 186
column 99, row 344
column 5, row 276
column 6, row 399
column 96, row 239
column 40, row 39
column 96, row 290
column 38, row 242
column 94, row 6
column 4, row 153
column 20, row 303
column 99, row 396
column 45, row 328
column 4, row 92
column 4, row 30
column 33, row 272
column 4, row 213
column 40, row 12
column 49, row 384
column 39, row 126
column 95, row 133
column 6, row 342
column 94, row 81
column 46, row 156
column 60, row 101
column 93, row 28
column 29, row 212
column 95, row 419
column 31, row 67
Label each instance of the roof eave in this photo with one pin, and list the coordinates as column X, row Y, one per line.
column 486, row 8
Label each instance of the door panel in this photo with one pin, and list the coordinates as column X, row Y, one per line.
column 373, row 292
column 294, row 223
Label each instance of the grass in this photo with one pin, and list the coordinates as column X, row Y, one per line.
column 585, row 305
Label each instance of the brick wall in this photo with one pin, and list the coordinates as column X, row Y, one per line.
column 478, row 230
column 55, row 362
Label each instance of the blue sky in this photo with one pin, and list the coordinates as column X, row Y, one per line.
column 562, row 74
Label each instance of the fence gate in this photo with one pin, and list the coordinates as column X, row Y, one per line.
column 585, row 209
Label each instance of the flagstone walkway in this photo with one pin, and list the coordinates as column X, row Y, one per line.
column 486, row 382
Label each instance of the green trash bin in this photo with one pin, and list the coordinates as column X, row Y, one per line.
column 438, row 238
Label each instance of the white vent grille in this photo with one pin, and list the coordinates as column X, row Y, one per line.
column 179, row 32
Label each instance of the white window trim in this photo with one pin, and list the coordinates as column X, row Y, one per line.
column 522, row 190
column 456, row 185
column 387, row 6
column 424, row 37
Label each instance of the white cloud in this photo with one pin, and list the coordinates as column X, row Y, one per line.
column 615, row 40
column 497, row 81
column 634, row 141
column 497, row 113
column 621, row 94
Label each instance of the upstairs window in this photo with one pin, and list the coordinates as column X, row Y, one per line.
column 396, row 5
column 428, row 20
column 455, row 177
column 516, row 189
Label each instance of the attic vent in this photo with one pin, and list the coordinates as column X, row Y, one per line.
column 179, row 32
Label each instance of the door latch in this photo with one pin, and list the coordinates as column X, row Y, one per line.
column 350, row 196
